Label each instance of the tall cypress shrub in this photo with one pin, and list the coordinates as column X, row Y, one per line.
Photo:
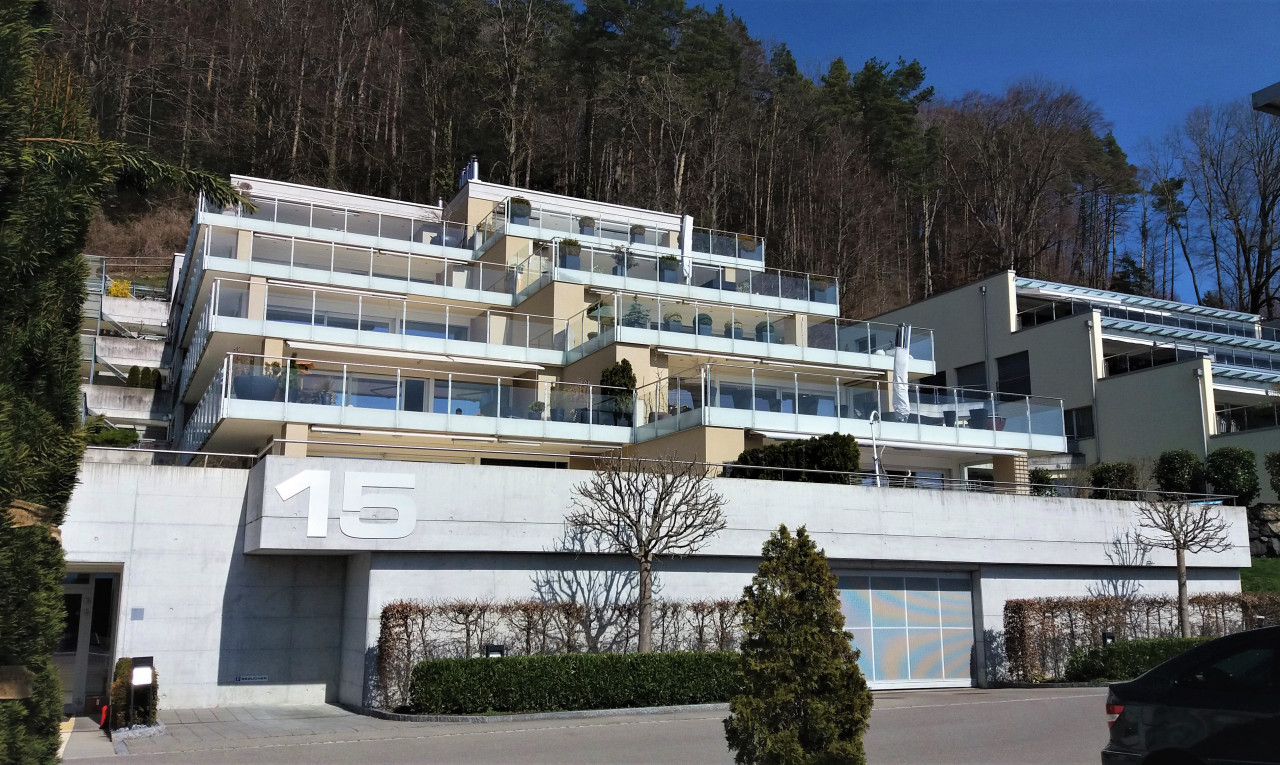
column 802, row 697
column 54, row 170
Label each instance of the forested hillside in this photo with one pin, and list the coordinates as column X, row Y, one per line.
column 858, row 172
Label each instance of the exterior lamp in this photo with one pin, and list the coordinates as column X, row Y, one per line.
column 495, row 650
column 1108, row 638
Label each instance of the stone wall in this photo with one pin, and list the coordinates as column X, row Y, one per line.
column 1264, row 531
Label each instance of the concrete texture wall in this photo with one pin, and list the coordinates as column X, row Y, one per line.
column 119, row 401
column 1142, row 414
column 193, row 600
column 133, row 311
column 125, row 352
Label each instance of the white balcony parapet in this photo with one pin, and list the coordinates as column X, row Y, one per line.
column 779, row 402
column 276, row 389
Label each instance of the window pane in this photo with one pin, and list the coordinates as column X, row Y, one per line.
column 972, row 376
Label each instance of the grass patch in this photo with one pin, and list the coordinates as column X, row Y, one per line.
column 1264, row 576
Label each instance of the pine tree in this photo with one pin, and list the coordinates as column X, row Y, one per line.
column 803, row 699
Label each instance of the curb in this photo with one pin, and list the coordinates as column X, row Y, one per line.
column 1029, row 686
column 580, row 714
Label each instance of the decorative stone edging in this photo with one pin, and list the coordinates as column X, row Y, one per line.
column 382, row 714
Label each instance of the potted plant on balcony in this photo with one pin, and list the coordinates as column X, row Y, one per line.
column 747, row 243
column 702, row 324
column 535, row 410
column 251, row 383
column 669, row 269
column 558, row 398
column 733, row 329
column 673, row 322
column 766, row 333
column 587, row 226
column 617, row 407
column 821, row 290
column 637, row 315
column 637, row 234
column 570, row 254
column 619, row 261
column 518, row 211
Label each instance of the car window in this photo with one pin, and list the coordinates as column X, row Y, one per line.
column 1248, row 669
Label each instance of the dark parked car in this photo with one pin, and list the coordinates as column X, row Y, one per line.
column 1217, row 703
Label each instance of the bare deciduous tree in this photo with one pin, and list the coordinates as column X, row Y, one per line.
column 1184, row 528
column 646, row 509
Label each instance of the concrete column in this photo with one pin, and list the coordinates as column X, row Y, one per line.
column 257, row 298
column 295, row 431
column 1011, row 469
column 244, row 245
column 802, row 330
column 273, row 347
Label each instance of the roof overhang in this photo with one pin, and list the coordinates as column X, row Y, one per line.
column 1268, row 100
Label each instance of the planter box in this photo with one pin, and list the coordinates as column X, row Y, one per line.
column 255, row 387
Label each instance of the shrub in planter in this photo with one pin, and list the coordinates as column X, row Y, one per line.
column 134, row 378
column 543, row 683
column 147, row 379
column 834, row 452
column 570, row 247
column 145, row 706
column 1233, row 470
column 637, row 234
column 1272, row 463
column 520, row 208
column 1041, row 480
column 1180, row 471
column 1112, row 478
column 587, row 226
column 1126, row 659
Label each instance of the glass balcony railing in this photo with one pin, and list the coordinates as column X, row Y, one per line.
column 550, row 223
column 1061, row 309
column 1241, row 418
column 622, row 261
column 748, row 325
column 336, row 259
column 1145, row 358
column 426, row 229
column 805, row 402
column 249, row 377
column 390, row 315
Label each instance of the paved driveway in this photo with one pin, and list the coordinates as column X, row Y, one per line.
column 952, row 727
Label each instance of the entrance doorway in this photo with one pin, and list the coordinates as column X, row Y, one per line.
column 85, row 652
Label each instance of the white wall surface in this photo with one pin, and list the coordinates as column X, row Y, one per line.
column 209, row 613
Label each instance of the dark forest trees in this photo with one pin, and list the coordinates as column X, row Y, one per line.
column 859, row 174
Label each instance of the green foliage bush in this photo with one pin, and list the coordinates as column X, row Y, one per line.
column 570, row 681
column 803, row 697
column 134, row 378
column 1233, row 470
column 1272, row 463
column 1112, row 478
column 145, row 706
column 834, row 452
column 1179, row 471
column 1041, row 480
column 1126, row 659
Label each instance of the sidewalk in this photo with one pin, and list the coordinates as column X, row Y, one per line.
column 223, row 727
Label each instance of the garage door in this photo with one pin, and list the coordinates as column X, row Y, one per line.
column 914, row 630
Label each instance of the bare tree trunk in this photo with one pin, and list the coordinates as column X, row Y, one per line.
column 645, row 639
column 1184, row 615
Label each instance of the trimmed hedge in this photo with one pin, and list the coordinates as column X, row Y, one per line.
column 1233, row 470
column 834, row 452
column 1111, row 479
column 1126, row 659
column 520, row 684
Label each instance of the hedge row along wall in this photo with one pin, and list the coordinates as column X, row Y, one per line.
column 1040, row 634
column 413, row 630
column 571, row 681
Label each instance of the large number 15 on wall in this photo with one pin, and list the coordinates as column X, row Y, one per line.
column 355, row 501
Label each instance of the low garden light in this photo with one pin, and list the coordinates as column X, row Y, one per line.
column 495, row 650
column 1108, row 638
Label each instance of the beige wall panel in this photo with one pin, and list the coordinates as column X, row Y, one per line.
column 701, row 444
column 1141, row 414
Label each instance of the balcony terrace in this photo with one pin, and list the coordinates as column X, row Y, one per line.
column 369, row 324
column 788, row 405
column 535, row 220
column 261, row 392
column 729, row 330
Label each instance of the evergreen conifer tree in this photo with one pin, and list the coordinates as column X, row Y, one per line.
column 803, row 698
column 54, row 172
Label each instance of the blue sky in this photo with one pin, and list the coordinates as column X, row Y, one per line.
column 1144, row 64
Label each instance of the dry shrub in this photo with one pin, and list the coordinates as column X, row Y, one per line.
column 1040, row 634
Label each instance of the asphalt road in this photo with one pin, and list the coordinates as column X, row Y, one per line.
column 1058, row 726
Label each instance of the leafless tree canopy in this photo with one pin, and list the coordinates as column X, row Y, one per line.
column 1179, row 525
column 649, row 508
